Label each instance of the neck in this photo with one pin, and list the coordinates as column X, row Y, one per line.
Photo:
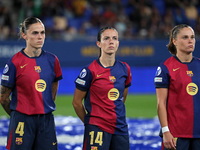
column 107, row 61
column 32, row 53
column 184, row 57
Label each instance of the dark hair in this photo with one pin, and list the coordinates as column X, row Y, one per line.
column 173, row 34
column 100, row 33
column 24, row 26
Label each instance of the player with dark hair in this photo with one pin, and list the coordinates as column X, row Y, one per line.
column 103, row 85
column 178, row 98
column 31, row 77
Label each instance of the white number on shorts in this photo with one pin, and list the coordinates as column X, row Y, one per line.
column 98, row 138
column 20, row 129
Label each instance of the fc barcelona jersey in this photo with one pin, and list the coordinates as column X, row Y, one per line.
column 183, row 104
column 104, row 98
column 31, row 82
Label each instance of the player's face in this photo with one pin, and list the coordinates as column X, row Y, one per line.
column 109, row 42
column 185, row 41
column 35, row 35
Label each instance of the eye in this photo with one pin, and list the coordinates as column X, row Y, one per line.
column 106, row 38
column 43, row 32
column 35, row 32
column 115, row 38
column 185, row 37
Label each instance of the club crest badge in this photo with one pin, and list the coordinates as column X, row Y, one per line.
column 112, row 78
column 189, row 73
column 37, row 69
column 18, row 141
column 94, row 148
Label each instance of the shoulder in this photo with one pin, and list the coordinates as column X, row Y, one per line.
column 17, row 58
column 196, row 59
column 169, row 62
column 122, row 64
column 50, row 56
column 48, row 53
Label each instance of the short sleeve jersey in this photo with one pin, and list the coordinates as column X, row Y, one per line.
column 183, row 103
column 104, row 98
column 31, row 82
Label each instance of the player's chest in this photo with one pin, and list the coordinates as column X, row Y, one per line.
column 28, row 70
column 106, row 80
column 184, row 73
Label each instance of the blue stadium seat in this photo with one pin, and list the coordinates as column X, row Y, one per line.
column 160, row 5
column 92, row 31
column 75, row 22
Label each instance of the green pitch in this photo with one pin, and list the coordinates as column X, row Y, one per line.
column 136, row 106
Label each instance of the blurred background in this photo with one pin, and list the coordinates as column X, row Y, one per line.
column 81, row 19
column 72, row 27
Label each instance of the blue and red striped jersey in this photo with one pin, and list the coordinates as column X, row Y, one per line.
column 183, row 103
column 104, row 98
column 31, row 82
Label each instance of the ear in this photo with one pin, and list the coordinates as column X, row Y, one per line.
column 174, row 41
column 24, row 36
column 99, row 44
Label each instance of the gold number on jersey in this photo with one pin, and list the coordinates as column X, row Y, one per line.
column 98, row 138
column 20, row 129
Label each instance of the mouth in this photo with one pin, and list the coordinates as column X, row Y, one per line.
column 40, row 42
column 111, row 47
column 191, row 46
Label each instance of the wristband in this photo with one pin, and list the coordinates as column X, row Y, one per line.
column 165, row 129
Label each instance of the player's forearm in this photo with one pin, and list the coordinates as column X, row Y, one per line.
column 54, row 89
column 162, row 115
column 6, row 105
column 4, row 99
column 80, row 111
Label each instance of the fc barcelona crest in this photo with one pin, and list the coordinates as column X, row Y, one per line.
column 189, row 73
column 112, row 78
column 37, row 69
column 94, row 148
column 18, row 141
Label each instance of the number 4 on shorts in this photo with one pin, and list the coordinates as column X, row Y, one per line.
column 20, row 129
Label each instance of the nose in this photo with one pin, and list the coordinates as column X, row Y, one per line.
column 111, row 41
column 39, row 35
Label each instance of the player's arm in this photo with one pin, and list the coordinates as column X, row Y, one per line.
column 55, row 89
column 78, row 105
column 125, row 94
column 4, row 98
column 168, row 139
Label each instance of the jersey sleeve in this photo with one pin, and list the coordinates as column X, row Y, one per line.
column 162, row 77
column 9, row 75
column 57, row 70
column 83, row 81
column 128, row 80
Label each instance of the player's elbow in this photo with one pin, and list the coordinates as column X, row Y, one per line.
column 76, row 104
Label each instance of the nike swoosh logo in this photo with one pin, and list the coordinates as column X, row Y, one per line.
column 176, row 69
column 23, row 66
column 54, row 143
column 99, row 75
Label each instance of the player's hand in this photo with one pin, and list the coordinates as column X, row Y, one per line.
column 169, row 141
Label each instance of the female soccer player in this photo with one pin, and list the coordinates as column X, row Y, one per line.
column 178, row 98
column 103, row 85
column 32, row 76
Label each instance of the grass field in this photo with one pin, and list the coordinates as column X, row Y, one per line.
column 136, row 106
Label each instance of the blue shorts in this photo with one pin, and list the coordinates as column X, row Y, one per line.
column 186, row 144
column 31, row 132
column 97, row 139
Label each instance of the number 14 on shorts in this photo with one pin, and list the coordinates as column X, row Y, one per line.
column 97, row 139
